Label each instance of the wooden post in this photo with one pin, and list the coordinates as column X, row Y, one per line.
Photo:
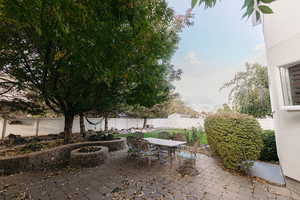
column 4, row 127
column 37, row 127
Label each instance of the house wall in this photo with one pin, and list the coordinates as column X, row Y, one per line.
column 282, row 38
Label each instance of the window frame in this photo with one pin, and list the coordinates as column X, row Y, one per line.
column 285, row 90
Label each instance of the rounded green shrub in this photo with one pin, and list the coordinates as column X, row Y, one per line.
column 269, row 152
column 234, row 138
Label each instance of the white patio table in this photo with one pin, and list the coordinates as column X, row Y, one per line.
column 164, row 142
column 171, row 145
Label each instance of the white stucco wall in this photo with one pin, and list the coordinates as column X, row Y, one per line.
column 282, row 37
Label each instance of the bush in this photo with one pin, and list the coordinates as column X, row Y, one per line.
column 101, row 136
column 31, row 147
column 164, row 135
column 269, row 151
column 191, row 137
column 234, row 138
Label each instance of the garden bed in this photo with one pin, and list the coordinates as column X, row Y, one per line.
column 52, row 157
column 29, row 148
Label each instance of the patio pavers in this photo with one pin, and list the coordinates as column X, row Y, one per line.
column 121, row 178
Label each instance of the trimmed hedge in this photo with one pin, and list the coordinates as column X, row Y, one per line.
column 234, row 138
column 269, row 151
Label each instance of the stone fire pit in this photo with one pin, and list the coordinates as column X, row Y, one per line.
column 88, row 156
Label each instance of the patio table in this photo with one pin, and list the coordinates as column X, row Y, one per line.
column 171, row 145
column 164, row 142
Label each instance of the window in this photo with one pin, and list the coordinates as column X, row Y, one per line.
column 290, row 81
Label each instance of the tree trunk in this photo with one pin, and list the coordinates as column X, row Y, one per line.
column 4, row 127
column 145, row 122
column 106, row 123
column 68, row 127
column 37, row 127
column 81, row 123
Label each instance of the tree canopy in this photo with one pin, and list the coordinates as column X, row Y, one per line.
column 249, row 91
column 77, row 56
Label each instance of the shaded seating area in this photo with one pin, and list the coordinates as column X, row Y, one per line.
column 152, row 148
column 141, row 150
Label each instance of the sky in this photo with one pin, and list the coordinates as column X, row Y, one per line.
column 212, row 50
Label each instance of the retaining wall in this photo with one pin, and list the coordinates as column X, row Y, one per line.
column 51, row 158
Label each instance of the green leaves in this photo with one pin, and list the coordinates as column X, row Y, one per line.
column 89, row 55
column 194, row 2
column 248, row 6
column 206, row 3
column 267, row 1
column 234, row 137
column 265, row 9
column 250, row 91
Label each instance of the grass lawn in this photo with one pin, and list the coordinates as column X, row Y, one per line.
column 155, row 134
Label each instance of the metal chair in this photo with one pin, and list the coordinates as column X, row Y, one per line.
column 147, row 151
column 133, row 146
column 139, row 135
column 188, row 154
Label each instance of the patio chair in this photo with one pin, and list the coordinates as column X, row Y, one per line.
column 188, row 154
column 147, row 151
column 139, row 135
column 133, row 146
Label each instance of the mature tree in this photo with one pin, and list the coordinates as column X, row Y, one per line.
column 153, row 84
column 172, row 105
column 66, row 51
column 156, row 111
column 249, row 92
column 14, row 102
column 176, row 105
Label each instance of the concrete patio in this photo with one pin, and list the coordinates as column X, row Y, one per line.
column 120, row 179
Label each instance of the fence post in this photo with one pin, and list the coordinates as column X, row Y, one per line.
column 37, row 127
column 4, row 127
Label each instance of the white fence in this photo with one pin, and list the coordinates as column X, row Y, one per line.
column 30, row 126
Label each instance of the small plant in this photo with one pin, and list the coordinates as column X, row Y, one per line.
column 101, row 136
column 192, row 136
column 31, row 147
column 89, row 149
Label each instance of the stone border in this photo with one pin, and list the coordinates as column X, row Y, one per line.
column 88, row 159
column 51, row 158
column 114, row 145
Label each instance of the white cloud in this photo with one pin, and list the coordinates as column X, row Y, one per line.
column 201, row 81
